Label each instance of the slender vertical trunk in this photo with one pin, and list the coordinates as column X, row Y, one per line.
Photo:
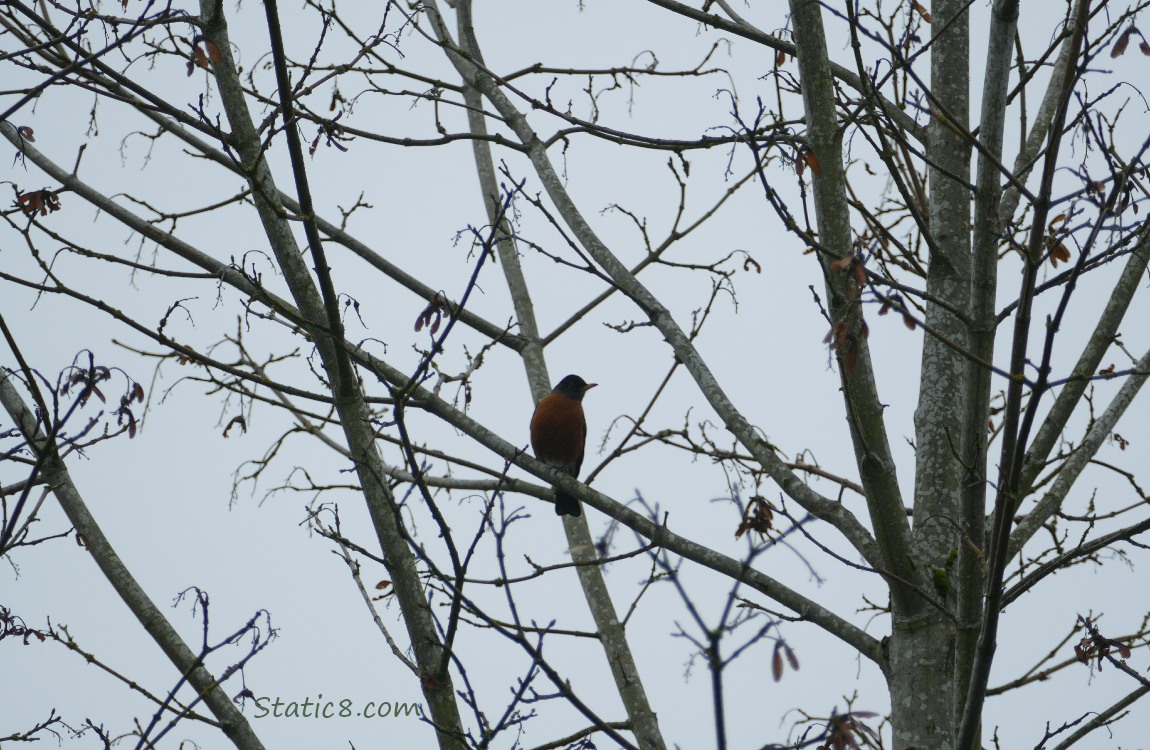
column 612, row 632
column 922, row 644
column 355, row 420
column 970, row 581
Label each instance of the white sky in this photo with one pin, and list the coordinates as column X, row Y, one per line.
column 165, row 499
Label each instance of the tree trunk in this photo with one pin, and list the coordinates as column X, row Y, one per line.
column 923, row 637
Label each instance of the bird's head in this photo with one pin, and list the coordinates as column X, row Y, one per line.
column 573, row 386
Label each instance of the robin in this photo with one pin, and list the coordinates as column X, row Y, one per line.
column 558, row 434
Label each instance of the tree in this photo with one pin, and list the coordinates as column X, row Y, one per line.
column 988, row 230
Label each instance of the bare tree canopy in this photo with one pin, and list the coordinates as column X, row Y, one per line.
column 863, row 286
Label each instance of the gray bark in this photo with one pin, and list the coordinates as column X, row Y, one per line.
column 232, row 722
column 863, row 406
column 430, row 656
column 612, row 633
column 987, row 231
column 922, row 639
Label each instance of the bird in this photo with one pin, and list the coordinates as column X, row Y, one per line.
column 559, row 432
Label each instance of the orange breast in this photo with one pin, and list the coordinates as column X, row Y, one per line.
column 559, row 432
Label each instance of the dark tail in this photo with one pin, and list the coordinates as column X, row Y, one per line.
column 567, row 505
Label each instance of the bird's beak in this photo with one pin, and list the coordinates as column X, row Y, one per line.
column 589, row 386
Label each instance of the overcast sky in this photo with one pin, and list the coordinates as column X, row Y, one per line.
column 172, row 502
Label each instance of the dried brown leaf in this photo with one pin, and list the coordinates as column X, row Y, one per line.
column 1060, row 253
column 30, row 203
column 850, row 358
column 1122, row 43
column 42, row 202
column 791, row 657
column 813, row 162
column 842, row 262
